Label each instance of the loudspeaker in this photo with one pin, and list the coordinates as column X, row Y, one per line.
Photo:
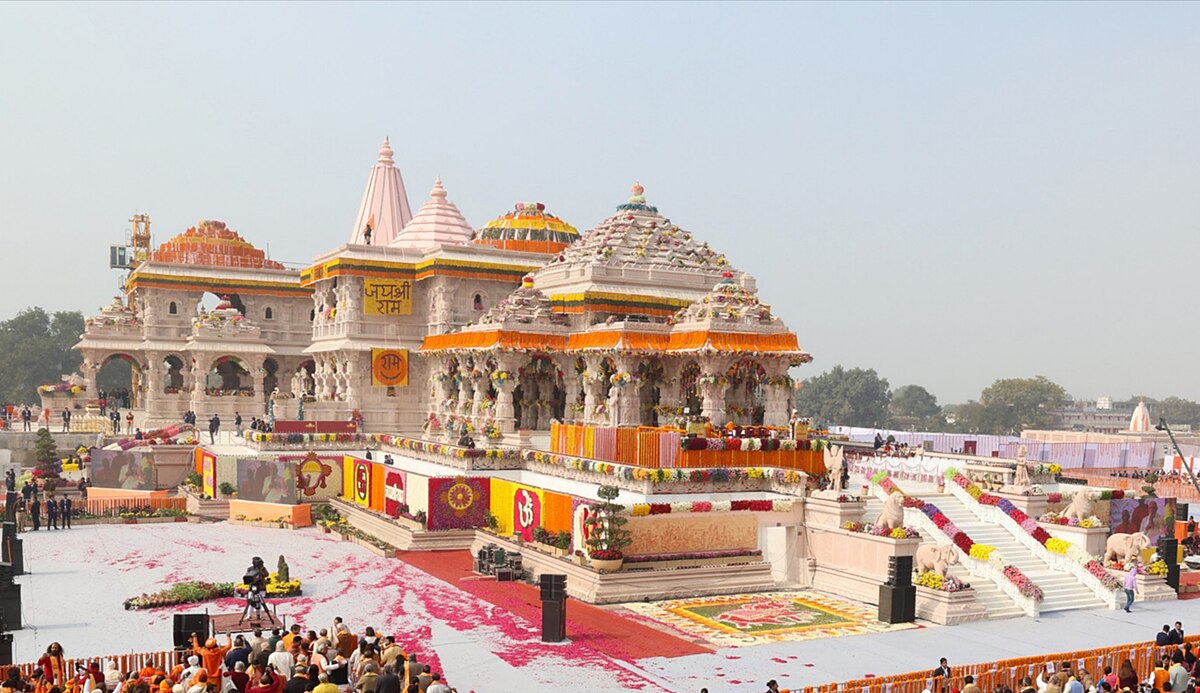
column 185, row 625
column 1181, row 511
column 900, row 571
column 16, row 555
column 10, row 507
column 552, row 586
column 10, row 607
column 1168, row 552
column 554, row 621
column 6, row 658
column 897, row 604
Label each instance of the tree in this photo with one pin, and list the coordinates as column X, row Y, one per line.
column 45, row 455
column 606, row 526
column 36, row 349
column 1011, row 405
column 853, row 397
column 1177, row 410
column 915, row 402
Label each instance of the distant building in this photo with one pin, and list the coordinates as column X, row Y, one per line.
column 1101, row 416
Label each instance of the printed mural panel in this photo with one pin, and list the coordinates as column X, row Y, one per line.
column 124, row 469
column 395, row 487
column 458, row 503
column 692, row 533
column 266, row 481
column 1153, row 516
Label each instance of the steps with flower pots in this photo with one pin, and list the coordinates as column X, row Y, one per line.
column 1063, row 591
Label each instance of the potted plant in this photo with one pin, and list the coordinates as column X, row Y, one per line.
column 607, row 532
column 562, row 543
column 493, row 522
column 227, row 489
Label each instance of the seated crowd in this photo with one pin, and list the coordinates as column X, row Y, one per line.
column 332, row 661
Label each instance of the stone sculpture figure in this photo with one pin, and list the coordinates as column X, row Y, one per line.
column 282, row 570
column 1123, row 547
column 835, row 463
column 1022, row 479
column 1082, row 506
column 892, row 516
column 935, row 558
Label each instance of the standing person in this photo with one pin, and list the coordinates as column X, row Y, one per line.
column 1177, row 634
column 27, row 490
column 1178, row 673
column 129, row 421
column 66, row 419
column 64, row 510
column 214, row 427
column 27, row 418
column 52, row 512
column 1126, row 676
column 237, row 423
column 1130, row 585
column 19, row 516
column 35, row 513
column 115, row 419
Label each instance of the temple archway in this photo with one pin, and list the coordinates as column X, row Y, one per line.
column 270, row 377
column 689, row 376
column 228, row 376
column 119, row 377
column 745, row 400
column 172, row 374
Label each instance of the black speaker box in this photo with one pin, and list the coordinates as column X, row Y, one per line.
column 10, row 607
column 552, row 586
column 897, row 604
column 554, row 621
column 185, row 625
column 900, row 571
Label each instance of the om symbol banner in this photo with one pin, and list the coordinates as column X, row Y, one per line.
column 527, row 513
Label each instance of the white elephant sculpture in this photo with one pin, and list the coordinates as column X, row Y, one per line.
column 892, row 516
column 1122, row 547
column 935, row 558
column 1082, row 506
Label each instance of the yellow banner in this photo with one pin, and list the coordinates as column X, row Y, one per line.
column 387, row 296
column 389, row 367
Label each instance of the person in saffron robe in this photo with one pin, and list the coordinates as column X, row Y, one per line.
column 54, row 665
column 211, row 655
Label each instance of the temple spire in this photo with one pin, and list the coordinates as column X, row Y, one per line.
column 384, row 209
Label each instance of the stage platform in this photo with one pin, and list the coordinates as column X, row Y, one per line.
column 220, row 624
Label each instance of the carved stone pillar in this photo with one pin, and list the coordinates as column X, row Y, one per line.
column 571, row 388
column 545, row 398
column 90, row 370
column 505, row 412
column 776, row 408
column 479, row 406
column 712, row 389
column 625, row 406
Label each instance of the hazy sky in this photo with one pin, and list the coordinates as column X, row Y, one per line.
column 949, row 193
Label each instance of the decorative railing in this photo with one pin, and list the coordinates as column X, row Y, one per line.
column 1056, row 553
column 978, row 559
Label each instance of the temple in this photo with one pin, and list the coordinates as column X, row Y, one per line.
column 421, row 322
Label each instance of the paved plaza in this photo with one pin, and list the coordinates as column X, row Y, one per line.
column 81, row 577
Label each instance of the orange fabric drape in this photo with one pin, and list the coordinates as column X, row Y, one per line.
column 500, row 339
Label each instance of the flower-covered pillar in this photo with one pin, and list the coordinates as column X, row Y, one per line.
column 779, row 392
column 713, row 385
column 479, row 382
column 593, row 388
column 505, row 382
column 623, row 399
column 571, row 389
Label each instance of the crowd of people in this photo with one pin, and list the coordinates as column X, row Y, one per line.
column 1174, row 672
column 334, row 660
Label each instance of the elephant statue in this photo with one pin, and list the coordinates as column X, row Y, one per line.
column 936, row 558
column 1082, row 506
column 1122, row 547
column 892, row 516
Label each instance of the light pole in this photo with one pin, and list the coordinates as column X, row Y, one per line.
column 1162, row 426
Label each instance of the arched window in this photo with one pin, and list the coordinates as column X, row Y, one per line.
column 268, row 315
column 478, row 303
column 172, row 308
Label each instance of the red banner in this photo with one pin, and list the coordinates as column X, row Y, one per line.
column 527, row 513
column 395, row 492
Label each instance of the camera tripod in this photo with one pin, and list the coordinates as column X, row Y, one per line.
column 256, row 599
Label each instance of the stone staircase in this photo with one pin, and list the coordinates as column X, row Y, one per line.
column 1062, row 590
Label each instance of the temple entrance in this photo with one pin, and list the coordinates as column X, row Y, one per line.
column 693, row 402
column 228, row 377
column 172, row 375
column 745, row 401
column 118, row 380
column 271, row 379
column 304, row 381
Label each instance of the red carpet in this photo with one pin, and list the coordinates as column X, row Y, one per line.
column 598, row 629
